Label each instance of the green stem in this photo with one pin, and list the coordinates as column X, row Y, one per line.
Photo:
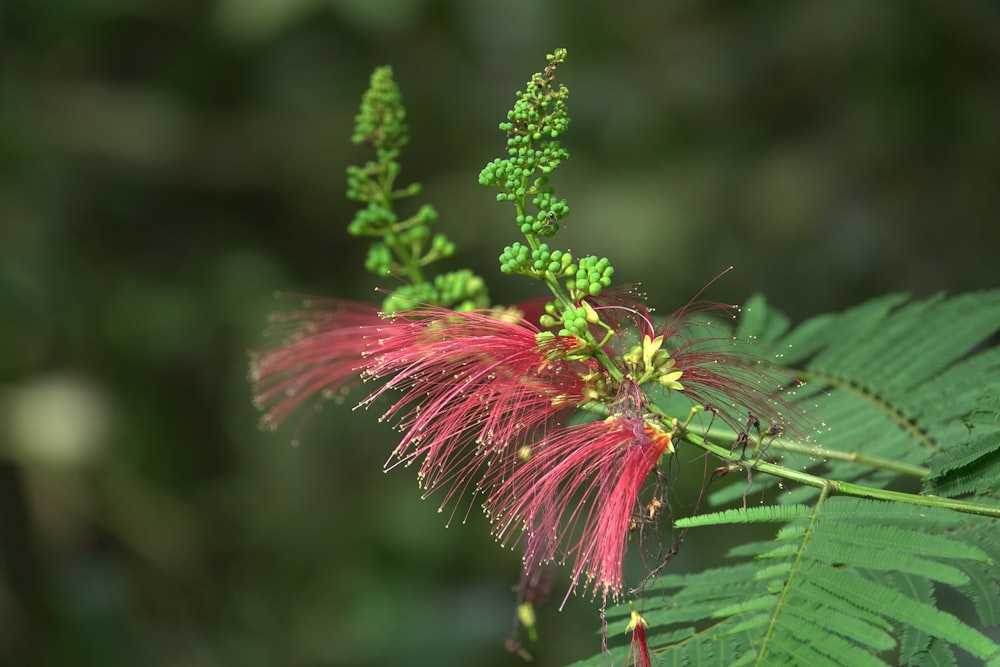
column 792, row 574
column 843, row 488
column 787, row 445
column 563, row 297
column 900, row 467
column 409, row 258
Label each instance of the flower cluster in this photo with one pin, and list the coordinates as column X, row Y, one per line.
column 559, row 448
column 478, row 387
column 577, row 494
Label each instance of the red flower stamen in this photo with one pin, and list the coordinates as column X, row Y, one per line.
column 716, row 370
column 321, row 354
column 477, row 387
column 727, row 374
column 576, row 497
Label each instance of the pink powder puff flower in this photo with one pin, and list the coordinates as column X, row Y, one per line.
column 577, row 495
column 321, row 353
column 485, row 397
column 728, row 374
column 478, row 387
column 705, row 364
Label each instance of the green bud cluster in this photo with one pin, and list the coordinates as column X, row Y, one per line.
column 550, row 210
column 461, row 290
column 577, row 322
column 533, row 128
column 403, row 246
column 592, row 275
column 408, row 297
column 537, row 262
column 458, row 290
column 539, row 116
column 381, row 260
column 381, row 122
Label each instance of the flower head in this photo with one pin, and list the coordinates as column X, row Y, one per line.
column 576, row 497
column 477, row 389
column 486, row 404
column 691, row 354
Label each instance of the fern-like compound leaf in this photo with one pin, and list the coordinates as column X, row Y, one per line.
column 906, row 396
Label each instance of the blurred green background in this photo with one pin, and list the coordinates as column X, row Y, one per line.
column 166, row 165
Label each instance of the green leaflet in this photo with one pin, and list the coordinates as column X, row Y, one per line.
column 768, row 513
column 896, row 381
column 973, row 467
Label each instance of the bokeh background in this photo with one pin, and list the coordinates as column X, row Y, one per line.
column 166, row 165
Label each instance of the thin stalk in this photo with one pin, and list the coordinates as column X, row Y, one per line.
column 900, row 467
column 786, row 445
column 843, row 488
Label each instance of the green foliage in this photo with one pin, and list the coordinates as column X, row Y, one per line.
column 849, row 581
column 891, row 381
column 405, row 246
column 843, row 582
column 973, row 467
column 532, row 128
